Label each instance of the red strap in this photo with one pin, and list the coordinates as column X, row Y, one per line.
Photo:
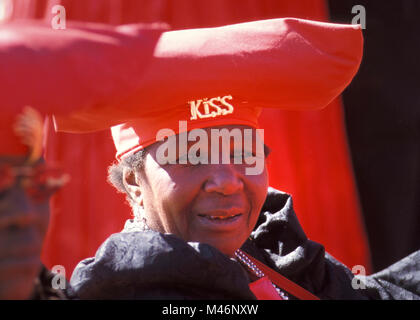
column 263, row 289
column 282, row 282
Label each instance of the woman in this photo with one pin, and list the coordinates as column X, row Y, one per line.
column 192, row 224
column 190, row 221
column 199, row 221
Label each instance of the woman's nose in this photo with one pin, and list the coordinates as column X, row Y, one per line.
column 223, row 179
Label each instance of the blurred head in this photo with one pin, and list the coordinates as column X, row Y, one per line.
column 24, row 215
column 212, row 203
column 26, row 184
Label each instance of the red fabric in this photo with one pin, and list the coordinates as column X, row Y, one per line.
column 74, row 66
column 282, row 282
column 290, row 82
column 310, row 157
column 263, row 289
column 274, row 63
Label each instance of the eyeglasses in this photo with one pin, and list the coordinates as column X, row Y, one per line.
column 40, row 182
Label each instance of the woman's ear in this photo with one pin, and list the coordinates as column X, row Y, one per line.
column 131, row 186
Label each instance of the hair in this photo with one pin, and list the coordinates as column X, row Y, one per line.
column 115, row 172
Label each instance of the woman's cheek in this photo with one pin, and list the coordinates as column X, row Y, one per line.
column 259, row 188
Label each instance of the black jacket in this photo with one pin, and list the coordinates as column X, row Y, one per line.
column 43, row 289
column 151, row 265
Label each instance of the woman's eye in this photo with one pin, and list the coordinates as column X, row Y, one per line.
column 242, row 155
column 249, row 154
column 237, row 155
column 183, row 159
column 193, row 159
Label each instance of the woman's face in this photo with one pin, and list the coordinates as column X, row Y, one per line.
column 216, row 204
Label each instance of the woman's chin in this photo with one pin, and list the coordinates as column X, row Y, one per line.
column 226, row 246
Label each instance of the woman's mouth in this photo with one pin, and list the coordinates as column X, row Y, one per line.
column 220, row 217
column 220, row 222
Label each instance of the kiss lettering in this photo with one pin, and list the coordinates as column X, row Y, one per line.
column 211, row 107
